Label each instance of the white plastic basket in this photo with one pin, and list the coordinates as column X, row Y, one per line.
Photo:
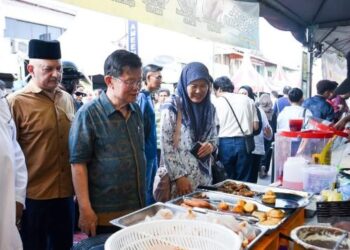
column 169, row 234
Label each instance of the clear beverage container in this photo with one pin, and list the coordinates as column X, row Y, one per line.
column 307, row 144
column 292, row 170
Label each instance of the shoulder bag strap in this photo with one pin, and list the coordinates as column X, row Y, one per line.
column 304, row 112
column 234, row 114
column 177, row 133
column 304, row 123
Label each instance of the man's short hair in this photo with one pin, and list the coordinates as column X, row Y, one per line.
column 150, row 68
column 295, row 95
column 224, row 83
column 115, row 62
column 325, row 85
column 167, row 91
column 286, row 90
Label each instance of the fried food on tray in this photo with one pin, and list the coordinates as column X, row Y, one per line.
column 249, row 207
column 270, row 192
column 197, row 203
column 241, row 203
column 270, row 222
column 237, row 189
column 223, row 206
column 269, row 197
column 238, row 209
column 276, row 214
column 260, row 215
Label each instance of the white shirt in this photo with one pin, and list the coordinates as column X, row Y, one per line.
column 291, row 112
column 259, row 139
column 9, row 235
column 244, row 109
column 19, row 164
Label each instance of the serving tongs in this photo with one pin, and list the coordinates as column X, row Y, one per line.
column 249, row 219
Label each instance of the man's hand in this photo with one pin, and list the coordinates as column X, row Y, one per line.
column 19, row 213
column 206, row 149
column 183, row 186
column 340, row 125
column 88, row 221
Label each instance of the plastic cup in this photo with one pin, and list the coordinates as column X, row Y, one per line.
column 295, row 124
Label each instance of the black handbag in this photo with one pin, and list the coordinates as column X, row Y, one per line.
column 218, row 171
column 248, row 139
column 249, row 143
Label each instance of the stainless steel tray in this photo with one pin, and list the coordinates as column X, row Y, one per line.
column 261, row 188
column 286, row 198
column 215, row 197
column 140, row 215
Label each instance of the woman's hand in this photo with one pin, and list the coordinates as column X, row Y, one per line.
column 183, row 186
column 267, row 132
column 206, row 149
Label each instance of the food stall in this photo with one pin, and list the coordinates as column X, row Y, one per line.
column 271, row 217
column 260, row 215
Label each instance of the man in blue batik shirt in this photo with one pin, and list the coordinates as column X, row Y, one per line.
column 106, row 146
column 318, row 104
column 152, row 77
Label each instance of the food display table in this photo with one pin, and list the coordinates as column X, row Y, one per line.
column 267, row 236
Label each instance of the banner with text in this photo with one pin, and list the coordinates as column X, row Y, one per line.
column 227, row 21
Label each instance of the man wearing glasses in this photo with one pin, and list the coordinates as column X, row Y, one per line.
column 43, row 114
column 107, row 148
column 152, row 78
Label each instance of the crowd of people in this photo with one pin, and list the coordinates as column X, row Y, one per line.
column 104, row 155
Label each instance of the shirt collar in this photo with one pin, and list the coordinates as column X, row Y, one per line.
column 33, row 88
column 107, row 105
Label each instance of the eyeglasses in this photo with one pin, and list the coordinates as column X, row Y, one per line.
column 128, row 83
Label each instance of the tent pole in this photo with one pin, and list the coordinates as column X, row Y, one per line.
column 310, row 63
column 310, row 44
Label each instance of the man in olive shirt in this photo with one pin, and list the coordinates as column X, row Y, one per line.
column 43, row 114
column 107, row 151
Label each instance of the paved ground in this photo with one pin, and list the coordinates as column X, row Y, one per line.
column 265, row 181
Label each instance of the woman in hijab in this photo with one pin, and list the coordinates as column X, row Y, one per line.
column 196, row 131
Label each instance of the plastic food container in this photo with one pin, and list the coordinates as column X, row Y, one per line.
column 319, row 177
column 292, row 169
column 174, row 234
column 308, row 144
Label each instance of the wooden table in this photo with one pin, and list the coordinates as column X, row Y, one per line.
column 273, row 240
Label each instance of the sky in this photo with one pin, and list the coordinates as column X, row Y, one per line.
column 279, row 46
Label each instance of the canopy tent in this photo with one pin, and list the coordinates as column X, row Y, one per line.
column 317, row 24
column 247, row 75
column 281, row 79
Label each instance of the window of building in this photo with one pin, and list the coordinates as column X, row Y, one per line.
column 26, row 30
